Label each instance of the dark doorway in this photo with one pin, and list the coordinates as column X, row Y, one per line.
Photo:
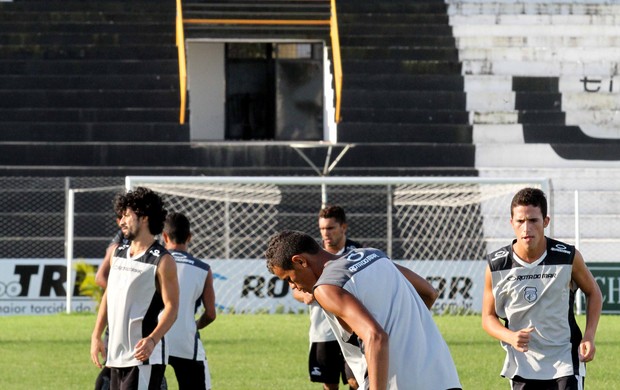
column 274, row 91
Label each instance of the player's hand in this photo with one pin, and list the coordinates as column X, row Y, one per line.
column 96, row 348
column 308, row 298
column 521, row 339
column 144, row 348
column 586, row 350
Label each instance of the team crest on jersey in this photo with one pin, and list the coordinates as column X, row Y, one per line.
column 499, row 254
column 355, row 256
column 530, row 294
column 561, row 248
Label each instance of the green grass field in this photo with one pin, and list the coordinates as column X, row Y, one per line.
column 254, row 352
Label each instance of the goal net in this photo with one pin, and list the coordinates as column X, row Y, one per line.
column 438, row 226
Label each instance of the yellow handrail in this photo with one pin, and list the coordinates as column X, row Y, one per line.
column 180, row 40
column 332, row 22
column 337, row 60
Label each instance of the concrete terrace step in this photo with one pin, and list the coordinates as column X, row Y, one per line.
column 375, row 18
column 148, row 157
column 410, row 7
column 89, row 52
column 404, row 67
column 119, row 6
column 516, row 117
column 371, row 39
column 516, row 30
column 77, row 38
column 552, row 156
column 538, row 134
column 604, row 119
column 408, row 99
column 403, row 116
column 510, row 83
column 80, row 16
column 396, row 82
column 400, row 53
column 256, row 32
column 92, row 82
column 548, row 19
column 406, row 30
column 194, row 8
column 404, row 132
column 60, row 27
column 540, row 54
column 87, row 99
column 192, row 17
column 566, row 7
column 169, row 170
column 77, row 67
column 603, row 69
column 93, row 132
column 497, row 101
column 89, row 115
column 571, row 40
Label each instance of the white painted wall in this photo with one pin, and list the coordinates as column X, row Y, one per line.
column 207, row 90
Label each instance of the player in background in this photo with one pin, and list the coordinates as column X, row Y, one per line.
column 101, row 277
column 325, row 361
column 187, row 354
column 364, row 293
column 140, row 303
column 530, row 285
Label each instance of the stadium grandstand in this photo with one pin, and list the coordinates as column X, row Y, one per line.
column 94, row 91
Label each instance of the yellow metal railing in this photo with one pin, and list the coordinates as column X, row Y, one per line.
column 182, row 61
column 332, row 22
column 336, row 56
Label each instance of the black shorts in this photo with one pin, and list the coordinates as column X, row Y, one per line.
column 191, row 374
column 137, row 377
column 326, row 363
column 572, row 382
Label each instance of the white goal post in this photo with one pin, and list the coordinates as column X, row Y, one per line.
column 442, row 227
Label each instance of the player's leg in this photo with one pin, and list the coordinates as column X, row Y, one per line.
column 349, row 377
column 103, row 379
column 146, row 377
column 191, row 374
column 324, row 364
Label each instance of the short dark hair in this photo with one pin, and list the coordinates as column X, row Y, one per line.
column 286, row 244
column 177, row 228
column 333, row 211
column 530, row 197
column 145, row 203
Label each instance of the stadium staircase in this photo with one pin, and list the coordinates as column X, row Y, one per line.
column 403, row 97
column 541, row 86
column 433, row 87
column 91, row 89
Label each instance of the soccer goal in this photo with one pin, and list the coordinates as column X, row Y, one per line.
column 442, row 227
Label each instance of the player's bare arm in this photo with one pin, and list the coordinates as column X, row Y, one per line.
column 96, row 344
column 208, row 301
column 491, row 324
column 169, row 288
column 354, row 318
column 582, row 276
column 426, row 291
column 303, row 297
column 101, row 277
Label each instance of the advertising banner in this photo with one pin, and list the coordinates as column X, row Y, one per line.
column 607, row 276
column 38, row 286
